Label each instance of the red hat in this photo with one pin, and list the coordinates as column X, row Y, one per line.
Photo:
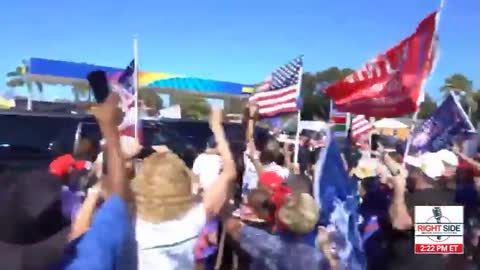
column 82, row 164
column 280, row 194
column 62, row 165
column 271, row 180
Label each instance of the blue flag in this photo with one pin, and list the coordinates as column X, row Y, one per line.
column 448, row 124
column 338, row 197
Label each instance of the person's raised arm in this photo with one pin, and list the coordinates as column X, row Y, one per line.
column 398, row 211
column 107, row 117
column 252, row 120
column 252, row 154
column 399, row 216
column 83, row 220
column 475, row 164
column 216, row 196
column 287, row 156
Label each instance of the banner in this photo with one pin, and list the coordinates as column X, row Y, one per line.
column 336, row 192
column 391, row 84
column 448, row 124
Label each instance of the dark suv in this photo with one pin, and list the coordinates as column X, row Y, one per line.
column 32, row 140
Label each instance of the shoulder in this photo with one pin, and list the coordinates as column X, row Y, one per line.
column 282, row 171
column 113, row 209
column 199, row 158
column 110, row 232
column 111, row 223
column 256, row 241
column 197, row 213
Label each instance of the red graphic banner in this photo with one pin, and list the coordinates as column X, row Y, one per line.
column 390, row 85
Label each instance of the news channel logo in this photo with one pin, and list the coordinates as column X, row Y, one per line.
column 439, row 230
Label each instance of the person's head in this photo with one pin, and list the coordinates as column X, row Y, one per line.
column 87, row 149
column 31, row 219
column 271, row 152
column 304, row 137
column 62, row 166
column 259, row 201
column 299, row 214
column 300, row 183
column 366, row 167
column 211, row 146
column 163, row 188
column 396, row 156
column 424, row 171
column 270, row 181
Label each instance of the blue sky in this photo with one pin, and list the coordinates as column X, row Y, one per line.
column 239, row 41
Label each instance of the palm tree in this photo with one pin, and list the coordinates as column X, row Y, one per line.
column 81, row 89
column 462, row 86
column 457, row 82
column 18, row 78
column 193, row 106
column 151, row 100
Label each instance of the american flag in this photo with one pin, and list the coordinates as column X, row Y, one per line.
column 278, row 93
column 123, row 84
column 360, row 126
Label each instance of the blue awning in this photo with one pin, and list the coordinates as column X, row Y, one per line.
column 68, row 73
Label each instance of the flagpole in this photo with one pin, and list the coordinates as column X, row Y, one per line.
column 422, row 90
column 299, row 118
column 135, row 82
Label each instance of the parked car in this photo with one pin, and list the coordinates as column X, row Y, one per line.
column 32, row 140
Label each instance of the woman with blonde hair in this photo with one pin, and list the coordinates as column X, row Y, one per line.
column 169, row 220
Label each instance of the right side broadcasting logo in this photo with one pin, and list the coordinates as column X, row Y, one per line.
column 439, row 230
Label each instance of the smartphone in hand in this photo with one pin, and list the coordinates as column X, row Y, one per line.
column 99, row 84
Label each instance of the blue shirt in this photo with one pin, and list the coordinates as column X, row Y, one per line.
column 108, row 244
column 272, row 252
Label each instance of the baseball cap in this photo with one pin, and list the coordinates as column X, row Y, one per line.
column 429, row 163
column 448, row 157
column 270, row 180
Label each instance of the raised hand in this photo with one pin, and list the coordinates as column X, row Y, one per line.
column 253, row 109
column 108, row 111
column 216, row 119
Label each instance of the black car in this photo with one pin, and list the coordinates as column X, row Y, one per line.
column 32, row 140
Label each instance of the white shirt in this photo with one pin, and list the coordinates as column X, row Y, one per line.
column 207, row 167
column 250, row 176
column 169, row 245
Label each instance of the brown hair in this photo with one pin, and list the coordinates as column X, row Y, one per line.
column 163, row 188
column 259, row 201
column 271, row 152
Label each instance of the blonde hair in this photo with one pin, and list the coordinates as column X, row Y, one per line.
column 163, row 188
column 299, row 213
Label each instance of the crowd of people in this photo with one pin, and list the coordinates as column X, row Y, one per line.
column 249, row 209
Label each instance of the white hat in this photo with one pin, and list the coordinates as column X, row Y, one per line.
column 366, row 167
column 448, row 157
column 430, row 164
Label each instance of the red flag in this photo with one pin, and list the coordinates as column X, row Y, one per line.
column 390, row 85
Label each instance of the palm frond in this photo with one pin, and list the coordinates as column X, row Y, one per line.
column 39, row 87
column 13, row 74
column 17, row 82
